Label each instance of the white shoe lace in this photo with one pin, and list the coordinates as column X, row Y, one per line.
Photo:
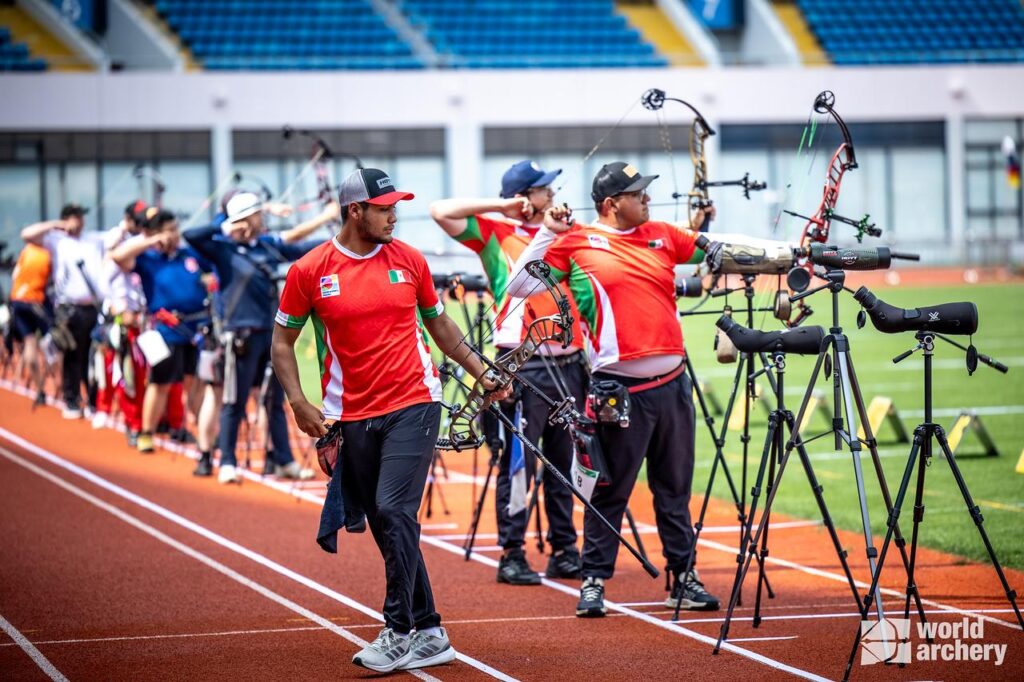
column 592, row 590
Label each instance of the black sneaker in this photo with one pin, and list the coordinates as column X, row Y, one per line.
column 182, row 436
column 565, row 563
column 688, row 590
column 513, row 569
column 204, row 467
column 591, row 604
column 39, row 401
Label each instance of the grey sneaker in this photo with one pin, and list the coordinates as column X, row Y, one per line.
column 428, row 650
column 386, row 653
column 292, row 470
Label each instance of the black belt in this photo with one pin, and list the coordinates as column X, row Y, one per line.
column 556, row 360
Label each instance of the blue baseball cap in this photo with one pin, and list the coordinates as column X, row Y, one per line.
column 524, row 175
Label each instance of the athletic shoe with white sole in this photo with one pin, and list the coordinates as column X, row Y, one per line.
column 388, row 652
column 292, row 470
column 429, row 647
column 99, row 420
column 689, row 592
column 228, row 474
column 71, row 413
column 591, row 604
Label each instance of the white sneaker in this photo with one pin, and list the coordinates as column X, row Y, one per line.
column 429, row 649
column 386, row 653
column 293, row 471
column 71, row 413
column 99, row 420
column 228, row 474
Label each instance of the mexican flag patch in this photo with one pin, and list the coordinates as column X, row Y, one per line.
column 397, row 276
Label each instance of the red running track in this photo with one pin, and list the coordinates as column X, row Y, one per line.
column 117, row 565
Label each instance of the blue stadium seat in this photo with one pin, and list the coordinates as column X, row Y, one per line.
column 511, row 34
column 917, row 31
column 287, row 34
column 16, row 56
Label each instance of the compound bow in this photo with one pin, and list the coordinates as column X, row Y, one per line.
column 819, row 225
column 504, row 369
column 698, row 197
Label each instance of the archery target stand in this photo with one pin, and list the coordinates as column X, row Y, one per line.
column 881, row 411
column 969, row 421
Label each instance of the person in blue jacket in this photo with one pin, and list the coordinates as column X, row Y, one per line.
column 246, row 260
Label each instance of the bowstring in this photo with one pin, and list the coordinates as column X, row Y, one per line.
column 806, row 147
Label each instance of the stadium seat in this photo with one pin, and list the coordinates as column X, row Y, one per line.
column 917, row 31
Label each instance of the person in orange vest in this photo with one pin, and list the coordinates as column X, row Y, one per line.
column 30, row 318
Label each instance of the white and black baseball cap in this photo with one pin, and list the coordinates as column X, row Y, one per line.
column 371, row 185
column 618, row 178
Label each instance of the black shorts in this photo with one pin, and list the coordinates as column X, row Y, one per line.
column 181, row 363
column 28, row 319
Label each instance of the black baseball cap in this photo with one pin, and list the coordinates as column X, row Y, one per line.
column 372, row 186
column 72, row 210
column 618, row 178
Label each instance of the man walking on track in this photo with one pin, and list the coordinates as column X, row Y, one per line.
column 366, row 294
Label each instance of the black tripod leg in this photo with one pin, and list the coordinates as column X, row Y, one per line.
column 979, row 521
column 775, row 432
column 743, row 564
column 719, row 459
column 534, row 506
column 475, row 523
column 914, row 458
column 826, row 517
column 898, row 539
column 749, row 549
column 636, row 533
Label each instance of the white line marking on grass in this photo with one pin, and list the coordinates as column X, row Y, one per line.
column 218, row 539
column 37, row 656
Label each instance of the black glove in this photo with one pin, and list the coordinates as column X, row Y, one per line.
column 713, row 256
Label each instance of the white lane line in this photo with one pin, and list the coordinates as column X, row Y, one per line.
column 471, row 621
column 220, row 540
column 641, row 616
column 815, row 616
column 37, row 656
column 194, row 553
column 839, row 577
column 761, row 639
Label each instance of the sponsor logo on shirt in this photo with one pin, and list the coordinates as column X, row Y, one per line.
column 191, row 264
column 397, row 276
column 656, row 244
column 329, row 286
column 598, row 241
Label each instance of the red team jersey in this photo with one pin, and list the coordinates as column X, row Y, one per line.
column 624, row 286
column 373, row 355
column 499, row 242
